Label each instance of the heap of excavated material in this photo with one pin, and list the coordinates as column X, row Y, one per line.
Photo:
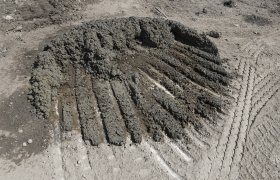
column 131, row 77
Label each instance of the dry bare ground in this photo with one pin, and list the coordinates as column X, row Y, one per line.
column 243, row 144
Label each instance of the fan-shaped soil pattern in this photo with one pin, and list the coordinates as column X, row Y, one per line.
column 131, row 77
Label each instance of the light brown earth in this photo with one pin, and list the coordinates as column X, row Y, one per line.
column 244, row 145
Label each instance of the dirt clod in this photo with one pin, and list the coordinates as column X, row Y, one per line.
column 130, row 77
column 230, row 3
column 214, row 34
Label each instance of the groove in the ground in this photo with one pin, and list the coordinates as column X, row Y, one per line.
column 110, row 113
column 86, row 103
column 132, row 121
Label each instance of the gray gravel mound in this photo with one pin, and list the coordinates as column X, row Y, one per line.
column 132, row 77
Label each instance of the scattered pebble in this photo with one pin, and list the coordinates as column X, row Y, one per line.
column 79, row 162
column 19, row 28
column 24, row 144
column 8, row 17
column 30, row 141
column 204, row 10
column 230, row 3
column 20, row 131
column 214, row 34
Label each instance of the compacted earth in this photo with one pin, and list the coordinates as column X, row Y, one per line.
column 139, row 89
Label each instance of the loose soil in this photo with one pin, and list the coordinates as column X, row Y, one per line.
column 240, row 142
column 141, row 74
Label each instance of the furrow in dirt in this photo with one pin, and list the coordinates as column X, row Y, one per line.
column 127, row 108
column 198, row 54
column 114, row 124
column 182, row 74
column 91, row 128
column 190, row 58
column 161, row 117
column 192, row 72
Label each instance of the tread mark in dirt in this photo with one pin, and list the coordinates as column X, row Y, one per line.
column 222, row 146
column 260, row 93
column 135, row 77
column 229, row 144
column 262, row 101
column 260, row 146
column 161, row 161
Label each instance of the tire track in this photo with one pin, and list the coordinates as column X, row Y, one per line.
column 243, row 126
column 58, row 159
column 242, row 105
column 161, row 161
column 266, row 88
column 262, row 90
column 175, row 158
column 262, row 101
column 222, row 145
column 261, row 144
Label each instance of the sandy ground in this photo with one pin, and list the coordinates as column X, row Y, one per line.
column 244, row 146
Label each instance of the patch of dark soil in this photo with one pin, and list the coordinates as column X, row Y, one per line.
column 33, row 14
column 48, row 12
column 131, row 77
column 257, row 20
column 18, row 124
column 230, row 3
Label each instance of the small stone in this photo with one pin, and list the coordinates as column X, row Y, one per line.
column 30, row 141
column 20, row 131
column 204, row 10
column 24, row 144
column 214, row 34
column 19, row 28
column 230, row 3
column 79, row 162
column 8, row 17
column 84, row 176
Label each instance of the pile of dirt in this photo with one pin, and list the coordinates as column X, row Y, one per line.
column 131, row 76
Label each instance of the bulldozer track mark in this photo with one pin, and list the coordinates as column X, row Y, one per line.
column 234, row 132
column 260, row 144
column 265, row 89
column 262, row 101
